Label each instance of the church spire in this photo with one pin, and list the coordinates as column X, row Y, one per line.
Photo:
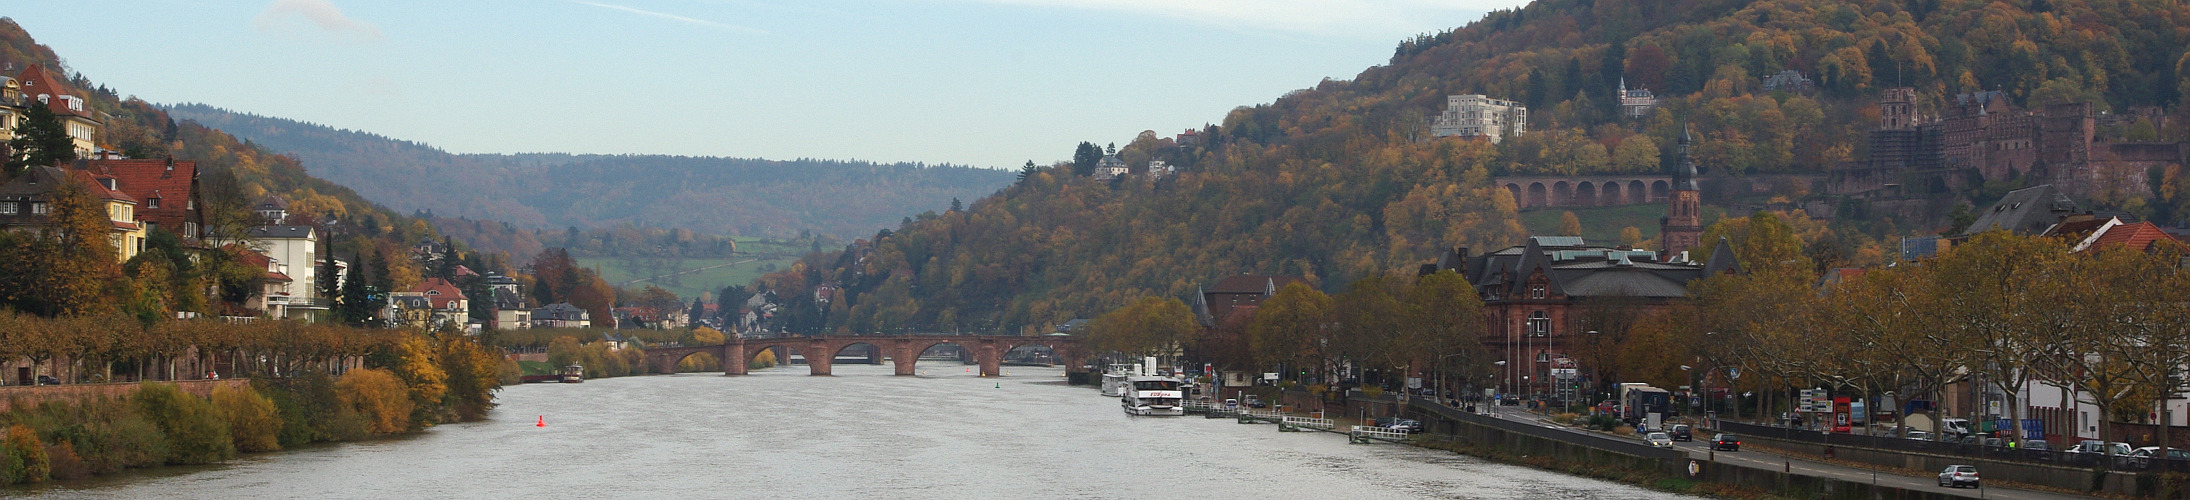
column 1684, row 172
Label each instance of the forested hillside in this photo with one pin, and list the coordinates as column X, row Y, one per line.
column 722, row 196
column 1342, row 180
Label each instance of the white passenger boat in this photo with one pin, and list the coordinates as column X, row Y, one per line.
column 1152, row 396
column 1114, row 380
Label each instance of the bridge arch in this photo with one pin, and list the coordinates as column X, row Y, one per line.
column 1537, row 196
column 1611, row 194
column 1518, row 201
column 1660, row 190
column 1562, row 194
column 1585, row 194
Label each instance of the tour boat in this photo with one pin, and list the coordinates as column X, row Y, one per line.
column 1152, row 396
column 574, row 374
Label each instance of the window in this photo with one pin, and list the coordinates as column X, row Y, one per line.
column 39, row 208
column 152, row 203
column 1536, row 291
column 8, row 208
column 1539, row 324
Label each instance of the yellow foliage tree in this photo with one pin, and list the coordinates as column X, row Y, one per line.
column 378, row 397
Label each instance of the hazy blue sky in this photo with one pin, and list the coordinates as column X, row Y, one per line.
column 981, row 82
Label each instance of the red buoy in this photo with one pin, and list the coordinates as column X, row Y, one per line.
column 542, row 422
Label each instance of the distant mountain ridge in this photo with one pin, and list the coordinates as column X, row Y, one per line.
column 729, row 196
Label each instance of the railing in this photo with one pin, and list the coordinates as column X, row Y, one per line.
column 1990, row 449
column 1364, row 434
column 1295, row 424
column 1588, row 439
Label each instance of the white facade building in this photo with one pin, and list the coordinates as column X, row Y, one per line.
column 295, row 251
column 1476, row 115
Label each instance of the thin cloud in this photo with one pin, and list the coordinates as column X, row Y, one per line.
column 672, row 17
column 295, row 16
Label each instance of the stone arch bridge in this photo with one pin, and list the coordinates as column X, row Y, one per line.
column 1586, row 190
column 903, row 351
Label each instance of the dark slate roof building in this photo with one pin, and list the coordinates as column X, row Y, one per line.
column 2029, row 210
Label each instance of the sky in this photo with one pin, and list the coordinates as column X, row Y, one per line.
column 990, row 83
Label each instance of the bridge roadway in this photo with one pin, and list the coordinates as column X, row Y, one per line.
column 903, row 351
column 1700, row 450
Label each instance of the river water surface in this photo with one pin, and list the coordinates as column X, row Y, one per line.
column 863, row 433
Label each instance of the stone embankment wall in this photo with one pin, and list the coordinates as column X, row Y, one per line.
column 12, row 397
column 1519, row 439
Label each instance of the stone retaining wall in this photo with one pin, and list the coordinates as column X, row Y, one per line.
column 29, row 396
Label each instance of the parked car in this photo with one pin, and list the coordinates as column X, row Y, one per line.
column 2095, row 446
column 1724, row 441
column 1230, row 403
column 1412, row 426
column 1658, row 439
column 48, row 380
column 1957, row 475
column 2142, row 457
column 1919, row 435
column 1254, row 402
column 1683, row 433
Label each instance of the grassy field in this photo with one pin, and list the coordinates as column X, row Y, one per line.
column 1603, row 224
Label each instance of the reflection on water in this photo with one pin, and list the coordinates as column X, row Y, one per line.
column 862, row 433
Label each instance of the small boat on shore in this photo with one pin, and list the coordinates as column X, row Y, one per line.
column 573, row 374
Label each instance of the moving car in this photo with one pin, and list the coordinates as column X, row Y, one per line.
column 1683, row 433
column 1728, row 442
column 1658, row 439
column 1957, row 475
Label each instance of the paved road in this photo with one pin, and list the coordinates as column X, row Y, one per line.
column 1700, row 450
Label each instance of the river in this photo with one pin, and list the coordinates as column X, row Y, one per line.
column 863, row 433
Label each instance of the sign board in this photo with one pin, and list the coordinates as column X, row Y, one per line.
column 1272, row 376
column 1414, row 382
column 2034, row 428
column 1563, row 373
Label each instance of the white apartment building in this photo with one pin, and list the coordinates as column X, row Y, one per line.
column 1476, row 115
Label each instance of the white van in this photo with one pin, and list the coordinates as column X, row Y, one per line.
column 1955, row 427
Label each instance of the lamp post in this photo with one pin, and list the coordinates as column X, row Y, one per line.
column 1501, row 394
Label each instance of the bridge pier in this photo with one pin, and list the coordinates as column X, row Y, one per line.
column 991, row 358
column 903, row 357
column 734, row 357
column 820, row 356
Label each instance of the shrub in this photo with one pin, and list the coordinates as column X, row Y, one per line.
column 1624, row 430
column 378, row 397
column 253, row 421
column 109, row 435
column 766, row 359
column 196, row 434
column 26, row 457
column 65, row 464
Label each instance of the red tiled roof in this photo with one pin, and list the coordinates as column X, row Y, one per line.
column 2139, row 236
column 97, row 185
column 249, row 257
column 439, row 292
column 35, row 81
column 167, row 180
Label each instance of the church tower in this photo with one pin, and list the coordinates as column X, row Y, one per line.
column 1682, row 225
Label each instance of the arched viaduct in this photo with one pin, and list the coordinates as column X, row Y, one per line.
column 1586, row 190
column 903, row 351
